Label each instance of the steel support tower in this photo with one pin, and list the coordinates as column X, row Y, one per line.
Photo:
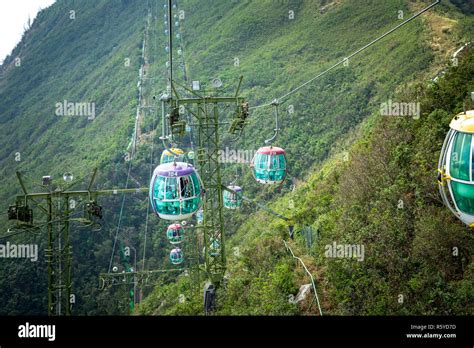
column 58, row 205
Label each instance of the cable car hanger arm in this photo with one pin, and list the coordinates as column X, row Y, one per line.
column 275, row 103
column 165, row 98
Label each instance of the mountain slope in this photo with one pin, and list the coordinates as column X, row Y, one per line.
column 417, row 257
column 79, row 60
column 83, row 60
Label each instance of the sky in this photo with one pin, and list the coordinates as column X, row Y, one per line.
column 13, row 17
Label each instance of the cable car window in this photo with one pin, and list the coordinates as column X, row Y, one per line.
column 281, row 161
column 186, row 187
column 159, row 186
column 464, row 196
column 274, row 162
column 460, row 156
column 472, row 161
column 171, row 188
column 264, row 162
column 197, row 186
column 190, row 205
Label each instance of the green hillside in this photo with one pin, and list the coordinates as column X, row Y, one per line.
column 77, row 60
column 384, row 196
column 348, row 201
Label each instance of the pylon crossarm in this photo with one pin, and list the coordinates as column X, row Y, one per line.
column 85, row 192
column 128, row 278
column 210, row 100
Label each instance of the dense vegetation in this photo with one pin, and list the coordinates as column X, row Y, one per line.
column 82, row 59
column 384, row 196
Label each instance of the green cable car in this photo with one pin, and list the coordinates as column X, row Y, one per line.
column 269, row 165
column 175, row 233
column 176, row 256
column 456, row 168
column 233, row 200
column 175, row 191
column 168, row 157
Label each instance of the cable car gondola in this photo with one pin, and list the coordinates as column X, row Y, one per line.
column 176, row 256
column 175, row 191
column 167, row 156
column 233, row 200
column 456, row 168
column 269, row 165
column 175, row 233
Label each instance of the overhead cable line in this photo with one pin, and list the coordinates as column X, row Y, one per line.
column 155, row 111
column 346, row 59
column 142, row 68
column 120, row 217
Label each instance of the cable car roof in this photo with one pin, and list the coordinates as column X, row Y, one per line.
column 271, row 150
column 463, row 122
column 235, row 188
column 174, row 169
column 175, row 150
column 174, row 227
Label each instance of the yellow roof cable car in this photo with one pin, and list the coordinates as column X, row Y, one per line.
column 171, row 155
column 456, row 168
